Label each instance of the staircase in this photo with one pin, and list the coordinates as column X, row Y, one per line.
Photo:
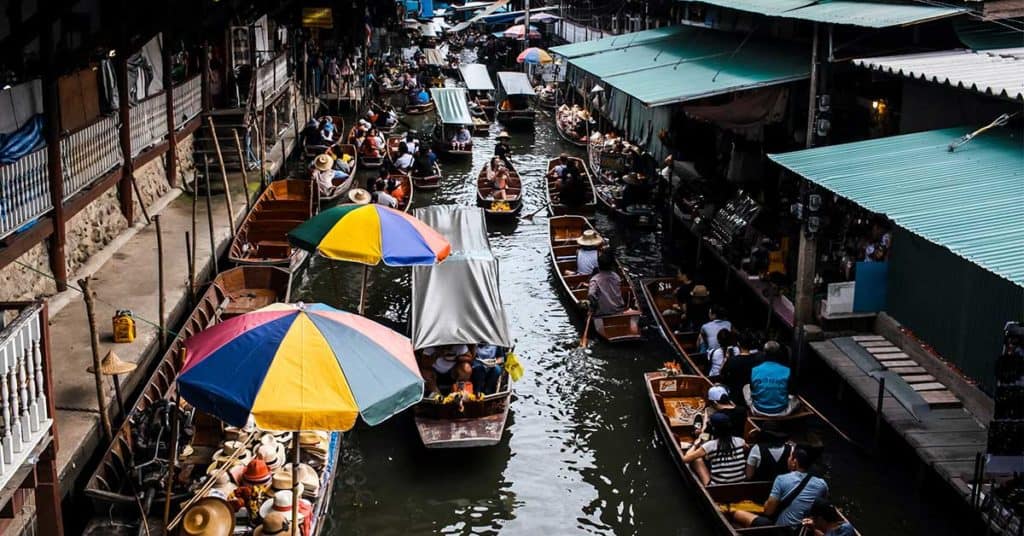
column 227, row 122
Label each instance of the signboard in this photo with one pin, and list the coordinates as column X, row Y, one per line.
column 317, row 17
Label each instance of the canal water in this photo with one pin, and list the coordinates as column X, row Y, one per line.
column 581, row 453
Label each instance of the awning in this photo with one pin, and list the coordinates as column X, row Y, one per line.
column 479, row 16
column 459, row 300
column 987, row 34
column 616, row 42
column 451, row 105
column 998, row 73
column 514, row 83
column 968, row 201
column 433, row 56
column 476, row 77
column 510, row 16
column 852, row 12
column 539, row 17
column 686, row 45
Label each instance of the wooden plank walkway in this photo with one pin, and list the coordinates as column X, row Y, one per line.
column 946, row 439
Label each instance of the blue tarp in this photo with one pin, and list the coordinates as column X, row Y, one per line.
column 21, row 142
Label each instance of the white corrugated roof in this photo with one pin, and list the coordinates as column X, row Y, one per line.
column 998, row 72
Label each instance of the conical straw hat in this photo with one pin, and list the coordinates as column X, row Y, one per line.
column 113, row 366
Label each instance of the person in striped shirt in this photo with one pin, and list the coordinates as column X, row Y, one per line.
column 721, row 459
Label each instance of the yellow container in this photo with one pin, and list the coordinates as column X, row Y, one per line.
column 124, row 326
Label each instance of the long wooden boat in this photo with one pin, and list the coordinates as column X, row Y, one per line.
column 481, row 126
column 475, row 316
column 562, row 234
column 500, row 210
column 407, row 187
column 660, row 295
column 578, row 141
column 589, row 205
column 640, row 215
column 419, row 109
column 262, row 239
column 428, row 182
column 447, row 148
column 310, row 151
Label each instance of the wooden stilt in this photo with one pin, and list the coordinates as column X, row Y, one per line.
column 94, row 340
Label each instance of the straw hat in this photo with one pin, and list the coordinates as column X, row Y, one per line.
column 281, row 502
column 282, row 481
column 310, row 481
column 209, row 516
column 113, row 366
column 590, row 238
column 359, row 196
column 503, row 135
column 256, row 472
column 274, row 523
column 323, row 162
column 222, row 484
column 700, row 293
column 228, row 448
column 272, row 454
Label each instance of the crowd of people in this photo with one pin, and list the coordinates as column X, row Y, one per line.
column 573, row 121
column 461, row 369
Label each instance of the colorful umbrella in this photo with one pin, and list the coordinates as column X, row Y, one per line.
column 517, row 31
column 300, row 367
column 369, row 234
column 534, row 56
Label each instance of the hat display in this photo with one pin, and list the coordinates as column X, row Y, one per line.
column 310, row 481
column 273, row 523
column 257, row 472
column 210, row 516
column 282, row 481
column 111, row 365
column 229, row 448
column 273, row 454
column 281, row 502
column 323, row 162
column 503, row 135
column 590, row 238
column 222, row 484
column 359, row 196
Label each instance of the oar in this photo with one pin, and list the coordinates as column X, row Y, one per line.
column 529, row 217
column 586, row 329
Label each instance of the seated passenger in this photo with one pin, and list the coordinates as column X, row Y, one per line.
column 486, row 369
column 768, row 391
column 826, row 520
column 769, row 457
column 395, row 189
column 708, row 338
column 719, row 460
column 438, row 365
column 405, row 161
column 791, row 498
column 327, row 179
column 587, row 255
column 604, row 291
column 718, row 357
column 461, row 138
column 500, row 184
column 381, row 195
column 422, row 97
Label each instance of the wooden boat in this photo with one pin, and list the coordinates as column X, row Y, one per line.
column 481, row 89
column 487, row 104
column 366, row 156
column 481, row 126
column 474, row 317
column 602, row 160
column 515, row 94
column 547, row 101
column 660, row 295
column 262, row 239
column 407, row 187
column 428, row 182
column 113, row 486
column 452, row 116
column 560, row 119
column 558, row 209
column 562, row 234
column 311, row 151
column 393, row 144
column 500, row 210
column 419, row 109
column 640, row 215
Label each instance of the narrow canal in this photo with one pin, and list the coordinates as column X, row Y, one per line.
column 580, row 453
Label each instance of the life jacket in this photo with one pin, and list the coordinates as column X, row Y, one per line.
column 769, row 468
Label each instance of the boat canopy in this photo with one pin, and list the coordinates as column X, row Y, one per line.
column 476, row 77
column 513, row 83
column 480, row 15
column 458, row 301
column 451, row 105
column 433, row 56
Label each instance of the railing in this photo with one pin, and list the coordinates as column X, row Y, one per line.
column 24, row 410
column 148, row 123
column 271, row 77
column 89, row 153
column 188, row 101
column 572, row 32
column 24, row 191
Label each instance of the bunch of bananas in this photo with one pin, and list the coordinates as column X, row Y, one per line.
column 500, row 206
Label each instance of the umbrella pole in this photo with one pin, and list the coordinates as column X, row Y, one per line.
column 362, row 290
column 295, row 484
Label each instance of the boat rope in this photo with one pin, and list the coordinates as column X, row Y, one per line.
column 144, row 320
column 998, row 122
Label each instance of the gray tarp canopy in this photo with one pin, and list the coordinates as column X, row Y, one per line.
column 513, row 83
column 476, row 77
column 483, row 13
column 433, row 56
column 451, row 105
column 458, row 301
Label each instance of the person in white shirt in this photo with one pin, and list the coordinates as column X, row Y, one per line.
column 586, row 255
column 404, row 162
column 727, row 348
column 327, row 178
column 381, row 195
column 708, row 338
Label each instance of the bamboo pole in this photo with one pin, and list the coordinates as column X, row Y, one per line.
column 191, row 270
column 362, row 289
column 195, row 237
column 263, row 141
column 160, row 283
column 245, row 173
column 209, row 216
column 223, row 175
column 94, row 341
column 295, row 483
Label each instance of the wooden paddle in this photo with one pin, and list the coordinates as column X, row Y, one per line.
column 586, row 329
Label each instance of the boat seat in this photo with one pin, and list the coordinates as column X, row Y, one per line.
column 249, row 299
column 682, row 410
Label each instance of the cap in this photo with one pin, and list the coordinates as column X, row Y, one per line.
column 717, row 393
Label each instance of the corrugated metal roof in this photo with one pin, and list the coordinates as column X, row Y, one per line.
column 615, row 42
column 476, row 77
column 986, row 34
column 852, row 12
column 689, row 44
column 968, row 201
column 452, row 106
column 758, row 63
column 515, row 83
column 992, row 72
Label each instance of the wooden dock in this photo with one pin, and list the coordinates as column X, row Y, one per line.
column 921, row 410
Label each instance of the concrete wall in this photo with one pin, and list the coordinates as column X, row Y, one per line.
column 90, row 230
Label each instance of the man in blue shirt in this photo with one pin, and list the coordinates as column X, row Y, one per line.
column 768, row 391
column 826, row 520
column 791, row 498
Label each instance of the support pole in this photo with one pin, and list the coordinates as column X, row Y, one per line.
column 124, row 186
column 362, row 290
column 51, row 110
column 47, row 494
column 160, row 283
column 209, row 215
column 195, row 235
column 169, row 485
column 296, row 451
column 171, row 164
column 223, row 176
column 245, row 173
column 191, row 270
column 263, row 140
column 806, row 257
column 94, row 340
column 204, row 66
column 878, row 414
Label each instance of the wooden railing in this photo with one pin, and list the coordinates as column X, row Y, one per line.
column 188, row 101
column 271, row 77
column 89, row 153
column 148, row 123
column 24, row 191
column 24, row 389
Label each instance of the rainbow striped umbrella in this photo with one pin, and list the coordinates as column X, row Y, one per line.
column 534, row 56
column 300, row 367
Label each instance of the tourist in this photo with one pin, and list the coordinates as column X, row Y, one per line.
column 825, row 520
column 381, row 195
column 486, row 371
column 561, row 169
column 440, row 363
column 461, row 139
column 720, row 459
column 736, row 370
column 768, row 391
column 698, row 310
column 405, row 160
column 726, row 350
column 769, row 457
column 328, row 132
column 604, row 292
column 720, row 401
column 587, row 254
column 791, row 498
column 411, row 143
column 500, row 183
column 708, row 338
column 334, row 76
column 422, row 97
column 502, row 148
column 423, row 162
column 327, row 179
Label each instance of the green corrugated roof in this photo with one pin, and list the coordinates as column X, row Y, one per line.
column 852, row 12
column 969, row 201
column 716, row 65
column 451, row 105
column 987, row 35
column 604, row 44
column 689, row 44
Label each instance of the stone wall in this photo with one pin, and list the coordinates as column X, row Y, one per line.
column 89, row 231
